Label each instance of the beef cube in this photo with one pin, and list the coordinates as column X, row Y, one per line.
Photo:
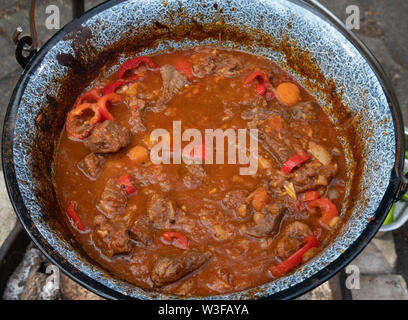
column 113, row 199
column 228, row 65
column 202, row 64
column 233, row 199
column 312, row 175
column 171, row 268
column 173, row 81
column 111, row 240
column 135, row 118
column 292, row 239
column 144, row 176
column 160, row 211
column 141, row 231
column 266, row 222
column 193, row 175
column 108, row 137
column 215, row 63
column 91, row 165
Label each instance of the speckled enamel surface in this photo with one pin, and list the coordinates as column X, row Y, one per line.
column 335, row 55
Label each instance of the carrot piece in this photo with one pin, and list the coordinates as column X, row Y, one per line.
column 259, row 199
column 288, row 93
column 310, row 195
column 275, row 122
column 138, row 154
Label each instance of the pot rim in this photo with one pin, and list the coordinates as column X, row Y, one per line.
column 292, row 292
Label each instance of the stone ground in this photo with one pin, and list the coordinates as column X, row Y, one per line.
column 383, row 265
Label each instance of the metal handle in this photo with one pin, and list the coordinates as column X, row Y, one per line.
column 26, row 45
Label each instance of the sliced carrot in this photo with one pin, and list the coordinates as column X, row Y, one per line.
column 288, row 93
column 310, row 196
column 138, row 154
column 275, row 122
column 259, row 199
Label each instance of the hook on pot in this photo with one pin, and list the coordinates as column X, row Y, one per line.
column 26, row 46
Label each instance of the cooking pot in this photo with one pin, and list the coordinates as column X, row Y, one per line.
column 300, row 36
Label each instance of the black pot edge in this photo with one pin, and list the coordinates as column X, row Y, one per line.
column 290, row 293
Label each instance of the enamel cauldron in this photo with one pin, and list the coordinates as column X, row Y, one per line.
column 301, row 36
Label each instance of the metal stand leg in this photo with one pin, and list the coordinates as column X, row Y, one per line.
column 78, row 8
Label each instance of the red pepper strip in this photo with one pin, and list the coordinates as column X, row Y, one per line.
column 258, row 74
column 295, row 259
column 72, row 214
column 263, row 82
column 174, row 238
column 118, row 83
column 183, row 66
column 329, row 210
column 310, row 195
column 103, row 104
column 260, row 89
column 81, row 128
column 294, row 161
column 126, row 184
column 134, row 63
column 89, row 96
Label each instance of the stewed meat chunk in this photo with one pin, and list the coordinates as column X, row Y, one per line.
column 160, row 211
column 221, row 64
column 113, row 199
column 235, row 198
column 108, row 137
column 91, row 165
column 171, row 268
column 144, row 176
column 227, row 65
column 292, row 239
column 141, row 231
column 194, row 175
column 111, row 240
column 173, row 81
column 266, row 222
column 135, row 117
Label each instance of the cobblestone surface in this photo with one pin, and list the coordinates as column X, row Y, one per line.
column 381, row 287
column 383, row 30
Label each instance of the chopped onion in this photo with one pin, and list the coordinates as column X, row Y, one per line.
column 290, row 190
column 320, row 153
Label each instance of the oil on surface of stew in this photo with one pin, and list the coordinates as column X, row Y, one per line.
column 199, row 229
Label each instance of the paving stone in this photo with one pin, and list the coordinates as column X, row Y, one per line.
column 7, row 215
column 379, row 257
column 381, row 287
column 322, row 292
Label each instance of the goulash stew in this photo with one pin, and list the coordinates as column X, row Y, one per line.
column 199, row 228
